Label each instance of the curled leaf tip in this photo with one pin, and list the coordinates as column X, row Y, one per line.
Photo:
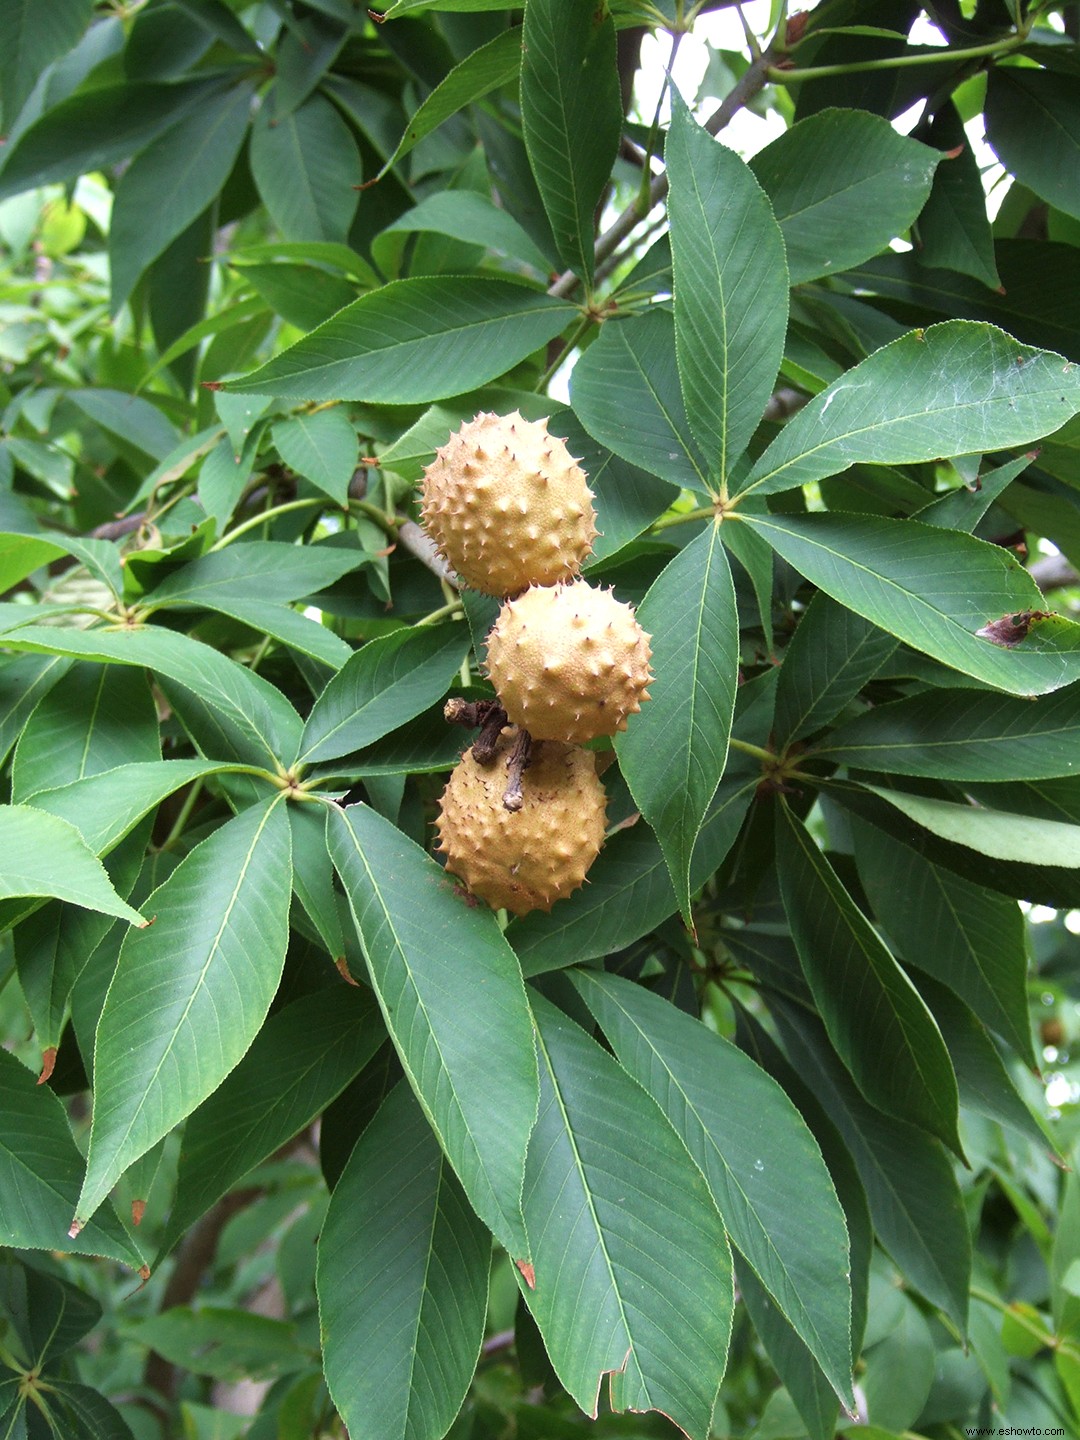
column 48, row 1062
column 76, row 1226
column 528, row 1272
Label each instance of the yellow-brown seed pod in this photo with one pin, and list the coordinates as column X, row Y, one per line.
column 523, row 859
column 508, row 505
column 569, row 662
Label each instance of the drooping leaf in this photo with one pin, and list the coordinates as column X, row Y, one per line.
column 843, row 184
column 571, row 117
column 934, row 589
column 40, row 1169
column 300, row 1061
column 1033, row 123
column 731, row 290
column 97, row 128
column 673, row 753
column 632, row 1272
column 952, row 389
column 190, row 164
column 876, row 1020
column 760, row 1161
column 185, row 1005
column 979, row 947
column 414, row 340
column 426, row 948
column 625, row 391
column 831, row 656
column 46, row 856
column 34, row 36
column 95, row 718
column 954, row 229
column 489, row 66
column 307, row 167
column 915, row 1201
column 402, row 1280
column 20, row 555
column 388, row 681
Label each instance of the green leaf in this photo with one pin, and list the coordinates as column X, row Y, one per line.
column 106, row 807
column 934, row 589
column 876, row 1019
column 185, row 1005
column 629, row 891
column 949, row 390
column 260, row 570
column 300, row 1061
column 491, row 65
column 628, row 499
column 402, row 1280
column 321, row 446
column 307, row 169
column 962, row 735
column 45, row 856
column 761, row 1163
column 800, row 1374
column 463, row 215
column 190, row 164
column 954, row 229
column 24, row 680
column 632, row 1268
column 388, row 681
column 625, row 391
column 34, row 36
column 248, row 717
column 571, row 117
column 426, row 949
column 415, row 340
column 95, row 718
column 130, row 418
column 915, row 1201
column 40, row 1170
column 225, row 1344
column 673, row 753
column 96, row 129
column 21, row 555
column 843, row 184
column 730, row 290
column 1033, row 123
column 979, row 946
column 962, row 509
column 831, row 656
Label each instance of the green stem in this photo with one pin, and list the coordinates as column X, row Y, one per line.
column 946, row 55
column 455, row 607
column 683, row 518
column 389, row 523
column 256, row 520
column 579, row 330
column 1025, row 1323
column 180, row 823
column 766, row 756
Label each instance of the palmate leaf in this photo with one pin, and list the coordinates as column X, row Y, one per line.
column 184, row 1006
column 731, row 290
column 426, row 951
column 760, row 1161
column 402, row 1280
column 673, row 753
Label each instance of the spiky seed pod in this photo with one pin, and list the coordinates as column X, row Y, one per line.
column 569, row 662
column 525, row 859
column 508, row 505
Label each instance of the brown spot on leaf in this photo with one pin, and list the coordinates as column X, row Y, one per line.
column 528, row 1272
column 138, row 1210
column 48, row 1061
column 1010, row 630
column 342, row 967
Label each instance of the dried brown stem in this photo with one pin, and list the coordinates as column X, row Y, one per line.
column 488, row 715
column 516, row 767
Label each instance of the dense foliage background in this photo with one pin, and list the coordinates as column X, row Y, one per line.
column 786, row 1097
